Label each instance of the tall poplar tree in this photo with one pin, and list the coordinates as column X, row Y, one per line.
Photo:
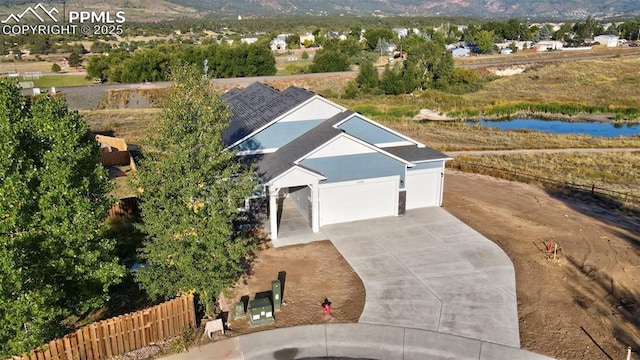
column 191, row 190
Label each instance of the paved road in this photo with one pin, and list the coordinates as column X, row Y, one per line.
column 539, row 151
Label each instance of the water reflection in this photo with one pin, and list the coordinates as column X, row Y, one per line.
column 598, row 129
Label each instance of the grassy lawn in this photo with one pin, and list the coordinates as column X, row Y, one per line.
column 61, row 80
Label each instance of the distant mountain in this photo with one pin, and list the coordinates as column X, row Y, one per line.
column 168, row 9
column 482, row 8
column 136, row 10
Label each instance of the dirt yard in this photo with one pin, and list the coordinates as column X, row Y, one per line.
column 584, row 305
column 312, row 272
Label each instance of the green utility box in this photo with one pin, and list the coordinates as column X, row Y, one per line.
column 260, row 312
column 276, row 293
column 239, row 313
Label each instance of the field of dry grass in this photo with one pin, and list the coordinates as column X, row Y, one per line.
column 131, row 124
column 594, row 82
column 609, row 82
column 615, row 171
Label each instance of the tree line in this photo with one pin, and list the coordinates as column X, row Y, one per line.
column 154, row 64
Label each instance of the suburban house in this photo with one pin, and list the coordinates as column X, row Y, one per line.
column 334, row 164
column 547, row 45
column 401, row 32
column 606, row 40
column 460, row 52
column 307, row 38
column 278, row 43
column 519, row 45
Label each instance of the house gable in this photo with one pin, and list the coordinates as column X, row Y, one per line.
column 374, row 133
column 295, row 176
column 256, row 106
column 356, row 167
column 288, row 127
column 345, row 158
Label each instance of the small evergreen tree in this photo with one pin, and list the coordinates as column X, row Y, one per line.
column 367, row 79
column 74, row 59
column 55, row 67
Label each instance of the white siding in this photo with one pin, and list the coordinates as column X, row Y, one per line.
column 341, row 146
column 313, row 110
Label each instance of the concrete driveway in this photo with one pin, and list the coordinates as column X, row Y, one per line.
column 428, row 270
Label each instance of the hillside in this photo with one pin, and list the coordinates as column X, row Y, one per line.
column 156, row 10
column 136, row 10
column 489, row 8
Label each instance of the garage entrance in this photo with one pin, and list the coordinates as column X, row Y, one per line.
column 357, row 200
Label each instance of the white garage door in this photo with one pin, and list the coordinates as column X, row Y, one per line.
column 423, row 188
column 364, row 199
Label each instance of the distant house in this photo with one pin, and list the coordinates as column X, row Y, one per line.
column 460, row 52
column 520, row 45
column 249, row 41
column 401, row 32
column 607, row 40
column 278, row 44
column 547, row 45
column 307, row 38
column 335, row 35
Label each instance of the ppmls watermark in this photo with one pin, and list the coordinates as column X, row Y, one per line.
column 40, row 20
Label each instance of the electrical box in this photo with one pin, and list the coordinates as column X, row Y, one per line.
column 239, row 313
column 260, row 312
column 276, row 294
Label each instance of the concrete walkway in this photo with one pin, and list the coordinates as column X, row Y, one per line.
column 428, row 270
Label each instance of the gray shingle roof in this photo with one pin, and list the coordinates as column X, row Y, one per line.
column 256, row 106
column 271, row 166
column 414, row 153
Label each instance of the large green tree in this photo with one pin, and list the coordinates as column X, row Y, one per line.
column 430, row 61
column 53, row 261
column 191, row 190
column 374, row 34
column 485, row 41
column 329, row 61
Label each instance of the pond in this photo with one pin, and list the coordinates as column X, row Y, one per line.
column 598, row 129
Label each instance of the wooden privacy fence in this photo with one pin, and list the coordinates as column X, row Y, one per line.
column 126, row 207
column 626, row 199
column 111, row 158
column 119, row 335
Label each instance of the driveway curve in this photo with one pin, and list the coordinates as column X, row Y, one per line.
column 428, row 270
